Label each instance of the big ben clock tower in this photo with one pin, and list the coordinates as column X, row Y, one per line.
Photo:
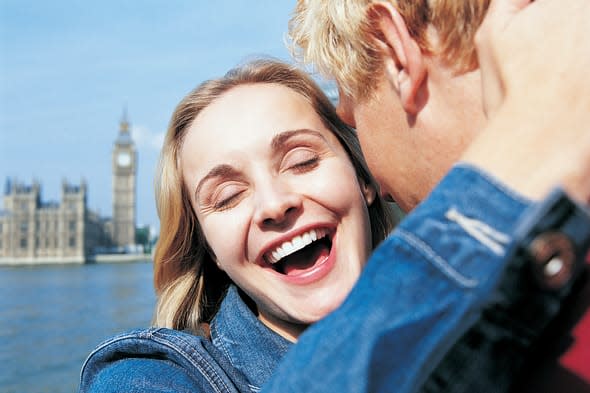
column 124, row 171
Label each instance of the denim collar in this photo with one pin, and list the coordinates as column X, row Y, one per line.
column 251, row 347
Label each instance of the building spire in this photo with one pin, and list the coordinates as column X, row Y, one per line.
column 124, row 125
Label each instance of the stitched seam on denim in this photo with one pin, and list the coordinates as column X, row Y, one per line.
column 495, row 182
column 480, row 231
column 221, row 342
column 149, row 336
column 110, row 341
column 439, row 262
column 106, row 343
column 225, row 351
column 254, row 389
column 207, row 370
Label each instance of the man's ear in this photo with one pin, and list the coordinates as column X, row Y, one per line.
column 403, row 60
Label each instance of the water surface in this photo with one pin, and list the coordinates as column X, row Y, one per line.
column 51, row 317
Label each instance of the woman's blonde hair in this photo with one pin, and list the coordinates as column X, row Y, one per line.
column 337, row 37
column 188, row 283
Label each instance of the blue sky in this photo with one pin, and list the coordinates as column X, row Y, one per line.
column 68, row 68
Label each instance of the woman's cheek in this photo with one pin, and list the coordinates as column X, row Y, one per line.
column 333, row 184
column 225, row 235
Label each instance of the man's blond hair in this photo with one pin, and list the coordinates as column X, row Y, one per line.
column 337, row 37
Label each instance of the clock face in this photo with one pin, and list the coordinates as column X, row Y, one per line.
column 124, row 159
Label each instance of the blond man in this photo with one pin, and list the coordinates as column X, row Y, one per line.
column 408, row 78
column 410, row 83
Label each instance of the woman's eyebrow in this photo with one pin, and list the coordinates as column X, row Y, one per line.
column 277, row 143
column 280, row 139
column 222, row 170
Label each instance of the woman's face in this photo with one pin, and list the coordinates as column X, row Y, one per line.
column 279, row 203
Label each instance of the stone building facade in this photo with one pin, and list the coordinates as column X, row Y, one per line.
column 34, row 231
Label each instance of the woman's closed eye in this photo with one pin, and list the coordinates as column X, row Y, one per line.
column 227, row 196
column 300, row 160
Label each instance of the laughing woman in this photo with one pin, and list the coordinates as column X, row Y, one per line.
column 268, row 215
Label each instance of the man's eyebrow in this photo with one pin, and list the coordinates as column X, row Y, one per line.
column 279, row 140
column 222, row 170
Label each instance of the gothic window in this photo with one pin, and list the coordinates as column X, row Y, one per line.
column 72, row 241
column 23, row 242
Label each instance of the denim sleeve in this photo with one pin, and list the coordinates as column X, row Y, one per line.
column 421, row 290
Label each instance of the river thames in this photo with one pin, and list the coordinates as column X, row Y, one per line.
column 51, row 317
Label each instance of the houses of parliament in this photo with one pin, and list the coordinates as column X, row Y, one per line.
column 34, row 231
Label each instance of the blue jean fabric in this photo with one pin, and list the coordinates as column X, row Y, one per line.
column 422, row 289
column 251, row 347
column 239, row 357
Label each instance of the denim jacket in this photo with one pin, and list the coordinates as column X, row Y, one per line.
column 251, row 347
column 240, row 356
column 421, row 290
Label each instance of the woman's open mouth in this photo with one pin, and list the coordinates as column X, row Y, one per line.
column 302, row 255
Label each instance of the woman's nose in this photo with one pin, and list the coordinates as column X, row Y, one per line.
column 277, row 203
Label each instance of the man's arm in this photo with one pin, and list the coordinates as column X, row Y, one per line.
column 531, row 310
column 429, row 281
column 534, row 58
column 421, row 289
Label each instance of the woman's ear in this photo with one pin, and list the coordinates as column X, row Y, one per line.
column 212, row 256
column 218, row 265
column 369, row 192
column 403, row 61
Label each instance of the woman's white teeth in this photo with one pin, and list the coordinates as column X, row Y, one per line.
column 295, row 244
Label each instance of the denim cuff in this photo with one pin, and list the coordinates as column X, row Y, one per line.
column 475, row 204
column 467, row 224
column 490, row 356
